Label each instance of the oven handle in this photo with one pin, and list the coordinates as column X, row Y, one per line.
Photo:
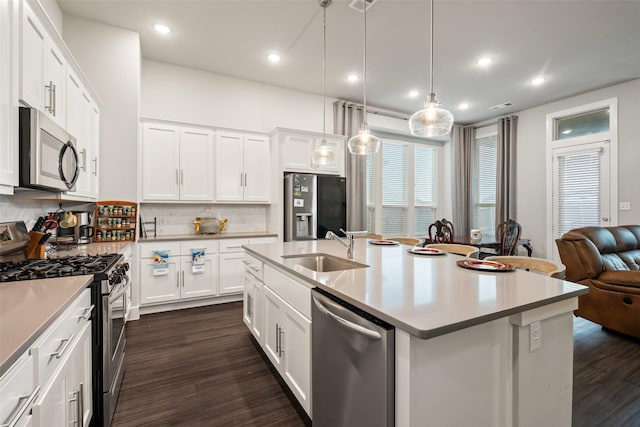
column 121, row 289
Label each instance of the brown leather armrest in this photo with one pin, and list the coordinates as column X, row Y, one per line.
column 621, row 277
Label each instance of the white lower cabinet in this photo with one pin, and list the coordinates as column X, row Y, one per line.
column 62, row 359
column 18, row 389
column 286, row 331
column 179, row 276
column 253, row 306
column 232, row 265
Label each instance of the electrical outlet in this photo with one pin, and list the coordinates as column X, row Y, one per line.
column 625, row 206
column 535, row 336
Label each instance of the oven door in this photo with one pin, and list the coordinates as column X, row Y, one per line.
column 113, row 308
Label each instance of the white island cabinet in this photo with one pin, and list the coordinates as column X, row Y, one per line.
column 462, row 352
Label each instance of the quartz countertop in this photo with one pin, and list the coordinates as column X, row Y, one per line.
column 28, row 307
column 426, row 296
column 100, row 248
column 194, row 236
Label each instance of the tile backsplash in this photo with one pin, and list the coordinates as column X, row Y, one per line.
column 19, row 209
column 177, row 219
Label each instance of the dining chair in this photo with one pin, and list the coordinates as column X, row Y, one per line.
column 441, row 231
column 406, row 240
column 541, row 265
column 507, row 235
column 455, row 248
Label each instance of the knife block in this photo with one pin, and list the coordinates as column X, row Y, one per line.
column 34, row 249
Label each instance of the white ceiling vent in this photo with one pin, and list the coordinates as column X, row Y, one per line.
column 501, row 106
column 359, row 4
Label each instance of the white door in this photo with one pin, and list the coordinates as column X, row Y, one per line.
column 231, row 273
column 296, row 152
column 78, row 378
column 273, row 323
column 160, row 162
column 581, row 188
column 196, row 164
column 229, row 167
column 155, row 288
column 199, row 283
column 8, row 108
column 55, row 75
column 296, row 342
column 257, row 169
column 32, row 90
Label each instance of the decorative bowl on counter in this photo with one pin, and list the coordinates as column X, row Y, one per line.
column 209, row 225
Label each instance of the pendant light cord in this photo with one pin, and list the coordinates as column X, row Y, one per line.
column 431, row 55
column 364, row 63
column 324, row 70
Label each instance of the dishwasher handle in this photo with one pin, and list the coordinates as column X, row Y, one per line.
column 350, row 325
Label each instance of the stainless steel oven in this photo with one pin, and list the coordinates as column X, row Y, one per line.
column 114, row 303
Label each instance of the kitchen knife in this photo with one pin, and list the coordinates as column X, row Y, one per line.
column 39, row 225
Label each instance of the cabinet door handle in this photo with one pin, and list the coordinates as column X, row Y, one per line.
column 182, row 278
column 177, row 178
column 245, row 179
column 249, row 311
column 177, row 279
column 95, row 162
column 181, row 176
column 84, row 159
column 49, row 107
column 76, row 398
column 81, row 406
column 277, row 339
column 17, row 413
column 65, row 344
column 280, row 351
column 245, row 262
column 87, row 313
column 53, row 103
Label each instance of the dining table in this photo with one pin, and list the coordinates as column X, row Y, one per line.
column 486, row 242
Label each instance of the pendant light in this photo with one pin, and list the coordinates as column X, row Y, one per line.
column 323, row 154
column 432, row 120
column 364, row 142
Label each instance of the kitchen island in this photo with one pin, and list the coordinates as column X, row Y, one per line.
column 463, row 354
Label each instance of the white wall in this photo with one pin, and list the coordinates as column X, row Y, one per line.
column 530, row 154
column 110, row 58
column 187, row 95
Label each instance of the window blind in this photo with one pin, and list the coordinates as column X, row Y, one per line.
column 425, row 187
column 486, row 160
column 577, row 188
column 370, row 193
column 394, row 188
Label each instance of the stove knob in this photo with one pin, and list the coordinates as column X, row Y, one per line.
column 125, row 265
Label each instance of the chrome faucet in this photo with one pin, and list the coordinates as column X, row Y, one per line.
column 346, row 241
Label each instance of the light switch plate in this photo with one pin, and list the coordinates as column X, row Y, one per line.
column 625, row 206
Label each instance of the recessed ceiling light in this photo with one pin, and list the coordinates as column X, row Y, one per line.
column 273, row 58
column 485, row 61
column 537, row 81
column 352, row 77
column 161, row 28
column 463, row 106
column 413, row 94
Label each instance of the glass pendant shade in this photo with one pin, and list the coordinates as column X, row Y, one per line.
column 431, row 121
column 323, row 155
column 364, row 142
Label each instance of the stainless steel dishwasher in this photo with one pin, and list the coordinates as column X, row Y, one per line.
column 352, row 365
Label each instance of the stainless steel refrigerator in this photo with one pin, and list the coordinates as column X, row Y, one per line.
column 313, row 205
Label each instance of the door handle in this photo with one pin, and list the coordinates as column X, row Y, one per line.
column 49, row 107
column 277, row 339
column 177, row 279
column 95, row 162
column 181, row 176
column 65, row 344
column 177, row 178
column 182, row 278
column 605, row 219
column 280, row 350
column 346, row 323
column 81, row 406
column 15, row 416
column 87, row 313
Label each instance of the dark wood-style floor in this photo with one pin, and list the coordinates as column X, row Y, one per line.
column 200, row 367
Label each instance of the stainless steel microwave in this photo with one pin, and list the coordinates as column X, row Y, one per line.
column 48, row 155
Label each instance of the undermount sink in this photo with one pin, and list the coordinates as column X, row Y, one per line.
column 323, row 262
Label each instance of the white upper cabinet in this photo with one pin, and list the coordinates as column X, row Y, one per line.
column 177, row 163
column 8, row 106
column 296, row 152
column 43, row 68
column 243, row 168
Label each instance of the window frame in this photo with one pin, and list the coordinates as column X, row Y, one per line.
column 410, row 216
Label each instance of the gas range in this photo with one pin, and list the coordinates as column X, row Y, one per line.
column 57, row 267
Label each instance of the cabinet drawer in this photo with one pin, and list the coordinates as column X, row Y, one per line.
column 147, row 249
column 253, row 266
column 294, row 293
column 17, row 389
column 55, row 343
column 209, row 246
column 233, row 245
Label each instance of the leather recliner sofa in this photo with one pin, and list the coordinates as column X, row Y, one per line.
column 607, row 259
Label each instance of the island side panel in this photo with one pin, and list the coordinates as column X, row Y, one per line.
column 459, row 379
column 543, row 377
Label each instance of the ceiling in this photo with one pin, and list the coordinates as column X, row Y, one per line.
column 578, row 46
